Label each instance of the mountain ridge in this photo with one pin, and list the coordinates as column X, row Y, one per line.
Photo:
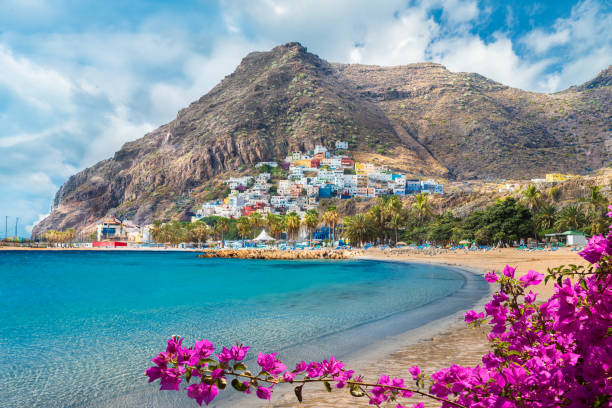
column 418, row 118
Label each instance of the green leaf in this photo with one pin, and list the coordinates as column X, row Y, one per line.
column 298, row 392
column 583, row 284
column 238, row 386
column 327, row 386
column 240, row 366
column 221, row 383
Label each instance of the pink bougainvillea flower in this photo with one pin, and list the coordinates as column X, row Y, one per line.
column 472, row 316
column 202, row 349
column 531, row 278
column 314, row 369
column 491, row 277
column 202, row 392
column 596, row 248
column 415, row 371
column 342, row 377
column 530, row 297
column 236, row 353
column 300, row 367
column 331, row 366
column 218, row 373
column 264, row 392
column 270, row 364
column 171, row 378
column 509, row 271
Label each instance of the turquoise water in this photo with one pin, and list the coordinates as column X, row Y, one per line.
column 78, row 328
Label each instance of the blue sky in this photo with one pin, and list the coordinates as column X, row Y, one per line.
column 80, row 78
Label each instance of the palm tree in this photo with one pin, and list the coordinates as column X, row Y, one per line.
column 397, row 221
column 376, row 215
column 570, row 218
column 275, row 225
column 554, row 194
column 422, row 207
column 176, row 232
column 311, row 221
column 244, row 228
column 531, row 197
column 198, row 232
column 293, row 222
column 596, row 203
column 358, row 228
column 221, row 227
column 546, row 216
column 595, row 200
column 330, row 218
column 257, row 222
column 156, row 231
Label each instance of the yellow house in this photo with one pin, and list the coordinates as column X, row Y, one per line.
column 302, row 163
column 554, row 177
column 364, row 168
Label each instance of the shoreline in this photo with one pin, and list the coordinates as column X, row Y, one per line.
column 395, row 354
column 439, row 343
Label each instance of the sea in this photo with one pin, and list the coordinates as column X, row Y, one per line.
column 78, row 328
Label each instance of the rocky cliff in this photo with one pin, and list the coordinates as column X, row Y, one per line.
column 420, row 118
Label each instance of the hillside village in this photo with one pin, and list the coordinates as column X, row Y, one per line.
column 305, row 178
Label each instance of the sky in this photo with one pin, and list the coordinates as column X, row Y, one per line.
column 78, row 79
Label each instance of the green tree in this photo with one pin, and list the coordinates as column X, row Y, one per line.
column 532, row 198
column 570, row 218
column 257, row 222
column 198, row 232
column 222, row 227
column 293, row 222
column 244, row 227
column 311, row 222
column 422, row 207
column 358, row 229
column 331, row 218
column 396, row 221
column 546, row 217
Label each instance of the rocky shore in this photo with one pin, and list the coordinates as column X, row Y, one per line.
column 279, row 254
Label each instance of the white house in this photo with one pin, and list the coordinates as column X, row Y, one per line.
column 341, row 145
column 320, row 149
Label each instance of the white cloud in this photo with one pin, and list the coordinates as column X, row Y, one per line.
column 28, row 228
column 460, row 11
column 496, row 60
column 540, row 41
column 41, row 87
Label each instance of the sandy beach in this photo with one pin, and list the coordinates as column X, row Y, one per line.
column 439, row 344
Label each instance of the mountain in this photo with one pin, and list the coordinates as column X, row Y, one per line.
column 420, row 119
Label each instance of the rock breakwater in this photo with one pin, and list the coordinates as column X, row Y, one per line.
column 279, row 254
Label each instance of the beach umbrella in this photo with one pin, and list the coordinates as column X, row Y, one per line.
column 263, row 237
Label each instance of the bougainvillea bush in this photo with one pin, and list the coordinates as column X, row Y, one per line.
column 552, row 354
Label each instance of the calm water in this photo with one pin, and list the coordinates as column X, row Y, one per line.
column 78, row 328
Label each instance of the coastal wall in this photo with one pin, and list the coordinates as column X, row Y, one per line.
column 279, row 254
